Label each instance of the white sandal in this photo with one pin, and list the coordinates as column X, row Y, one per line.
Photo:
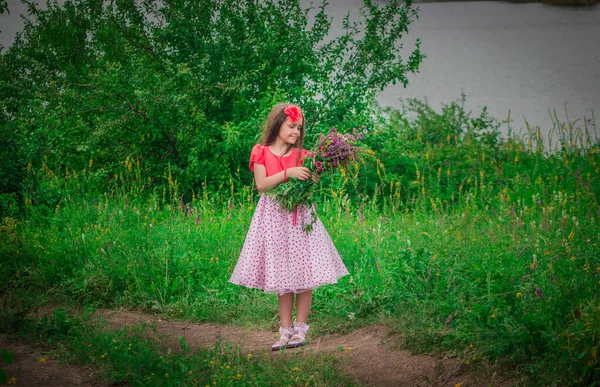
column 284, row 337
column 299, row 338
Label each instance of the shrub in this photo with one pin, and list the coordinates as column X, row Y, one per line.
column 183, row 87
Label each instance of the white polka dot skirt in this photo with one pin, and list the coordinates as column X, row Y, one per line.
column 280, row 257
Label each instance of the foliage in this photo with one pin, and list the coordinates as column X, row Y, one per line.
column 332, row 153
column 435, row 157
column 7, row 357
column 435, row 154
column 3, row 7
column 182, row 87
column 494, row 266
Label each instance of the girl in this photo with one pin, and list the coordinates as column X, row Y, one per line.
column 278, row 256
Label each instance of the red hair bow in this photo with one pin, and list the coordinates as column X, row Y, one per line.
column 293, row 112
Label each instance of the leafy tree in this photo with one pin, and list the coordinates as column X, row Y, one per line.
column 183, row 86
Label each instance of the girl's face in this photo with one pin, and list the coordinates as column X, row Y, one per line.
column 290, row 131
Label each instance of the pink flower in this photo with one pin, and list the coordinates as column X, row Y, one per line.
column 294, row 112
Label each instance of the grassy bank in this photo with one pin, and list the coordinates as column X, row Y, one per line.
column 514, row 281
column 470, row 245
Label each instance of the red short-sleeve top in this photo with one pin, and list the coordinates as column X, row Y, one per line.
column 261, row 154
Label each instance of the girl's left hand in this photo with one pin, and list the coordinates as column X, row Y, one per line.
column 300, row 173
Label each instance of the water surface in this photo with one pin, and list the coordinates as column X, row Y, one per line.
column 526, row 58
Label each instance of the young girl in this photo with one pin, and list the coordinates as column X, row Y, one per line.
column 278, row 256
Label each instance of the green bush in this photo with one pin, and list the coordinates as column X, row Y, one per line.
column 183, row 87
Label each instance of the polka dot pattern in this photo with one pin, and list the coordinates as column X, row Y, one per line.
column 279, row 257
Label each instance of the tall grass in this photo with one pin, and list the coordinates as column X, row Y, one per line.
column 487, row 248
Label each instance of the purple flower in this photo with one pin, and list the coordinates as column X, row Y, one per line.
column 331, row 152
column 538, row 292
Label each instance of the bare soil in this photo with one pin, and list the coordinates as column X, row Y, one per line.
column 32, row 366
column 368, row 354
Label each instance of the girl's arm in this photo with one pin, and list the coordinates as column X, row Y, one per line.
column 263, row 182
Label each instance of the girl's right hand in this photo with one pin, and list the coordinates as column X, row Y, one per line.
column 300, row 173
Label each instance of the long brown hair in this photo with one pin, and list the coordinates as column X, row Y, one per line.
column 273, row 125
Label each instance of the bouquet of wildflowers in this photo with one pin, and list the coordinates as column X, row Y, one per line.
column 331, row 152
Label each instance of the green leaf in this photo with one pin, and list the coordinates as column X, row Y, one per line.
column 7, row 355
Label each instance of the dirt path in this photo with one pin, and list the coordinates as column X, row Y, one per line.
column 368, row 355
column 33, row 367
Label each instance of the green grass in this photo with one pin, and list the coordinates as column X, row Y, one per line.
column 471, row 245
column 457, row 279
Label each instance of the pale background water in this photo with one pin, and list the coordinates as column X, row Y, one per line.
column 523, row 58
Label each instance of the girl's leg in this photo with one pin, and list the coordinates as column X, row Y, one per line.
column 286, row 304
column 303, row 304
